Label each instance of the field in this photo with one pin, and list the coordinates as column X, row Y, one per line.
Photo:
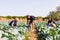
column 21, row 31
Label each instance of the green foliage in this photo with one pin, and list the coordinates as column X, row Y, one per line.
column 9, row 17
column 3, row 35
column 58, row 31
column 55, row 14
column 43, row 31
column 52, row 32
column 26, row 37
column 21, row 24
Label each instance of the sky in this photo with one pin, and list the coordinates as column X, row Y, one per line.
column 27, row 7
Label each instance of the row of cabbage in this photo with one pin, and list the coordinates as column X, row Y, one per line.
column 19, row 33
column 47, row 32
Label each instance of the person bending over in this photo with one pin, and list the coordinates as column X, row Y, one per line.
column 30, row 21
column 14, row 23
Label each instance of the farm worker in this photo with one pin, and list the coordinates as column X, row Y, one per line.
column 30, row 21
column 51, row 22
column 14, row 22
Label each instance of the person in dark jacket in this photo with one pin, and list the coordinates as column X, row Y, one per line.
column 13, row 22
column 51, row 22
column 30, row 20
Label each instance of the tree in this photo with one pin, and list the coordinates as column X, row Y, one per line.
column 58, row 8
column 55, row 14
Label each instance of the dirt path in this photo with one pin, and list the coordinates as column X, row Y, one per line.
column 32, row 34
